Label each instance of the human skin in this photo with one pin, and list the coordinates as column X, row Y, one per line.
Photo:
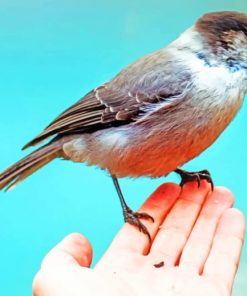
column 196, row 234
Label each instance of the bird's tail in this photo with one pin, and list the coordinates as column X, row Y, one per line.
column 28, row 165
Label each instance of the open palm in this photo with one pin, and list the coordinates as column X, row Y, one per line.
column 196, row 244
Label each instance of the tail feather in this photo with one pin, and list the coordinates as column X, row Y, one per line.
column 28, row 165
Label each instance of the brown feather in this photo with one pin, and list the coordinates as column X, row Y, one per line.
column 98, row 109
column 28, row 165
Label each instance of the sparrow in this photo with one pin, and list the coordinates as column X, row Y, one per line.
column 156, row 114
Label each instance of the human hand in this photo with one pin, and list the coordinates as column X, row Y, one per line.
column 196, row 235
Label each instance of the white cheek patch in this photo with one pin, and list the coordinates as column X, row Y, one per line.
column 113, row 138
column 217, row 79
column 215, row 75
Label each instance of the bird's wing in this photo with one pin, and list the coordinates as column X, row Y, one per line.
column 114, row 104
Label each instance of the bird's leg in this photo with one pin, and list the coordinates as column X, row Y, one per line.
column 131, row 217
column 194, row 176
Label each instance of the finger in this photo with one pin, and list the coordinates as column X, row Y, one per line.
column 200, row 240
column 178, row 224
column 157, row 205
column 73, row 249
column 223, row 260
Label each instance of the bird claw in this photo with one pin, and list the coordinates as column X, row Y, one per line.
column 133, row 218
column 195, row 176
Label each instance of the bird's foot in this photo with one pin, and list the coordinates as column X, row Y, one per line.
column 133, row 218
column 195, row 176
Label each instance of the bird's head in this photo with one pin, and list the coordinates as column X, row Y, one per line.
column 225, row 36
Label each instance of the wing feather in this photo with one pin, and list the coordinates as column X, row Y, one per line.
column 122, row 100
column 96, row 110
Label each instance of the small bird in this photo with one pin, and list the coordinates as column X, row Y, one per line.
column 155, row 115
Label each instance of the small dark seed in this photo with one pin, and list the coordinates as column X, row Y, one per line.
column 159, row 265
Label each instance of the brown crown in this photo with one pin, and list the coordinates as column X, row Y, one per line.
column 214, row 26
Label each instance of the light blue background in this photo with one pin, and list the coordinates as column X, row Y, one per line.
column 51, row 53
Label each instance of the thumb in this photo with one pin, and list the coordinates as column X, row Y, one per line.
column 74, row 249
